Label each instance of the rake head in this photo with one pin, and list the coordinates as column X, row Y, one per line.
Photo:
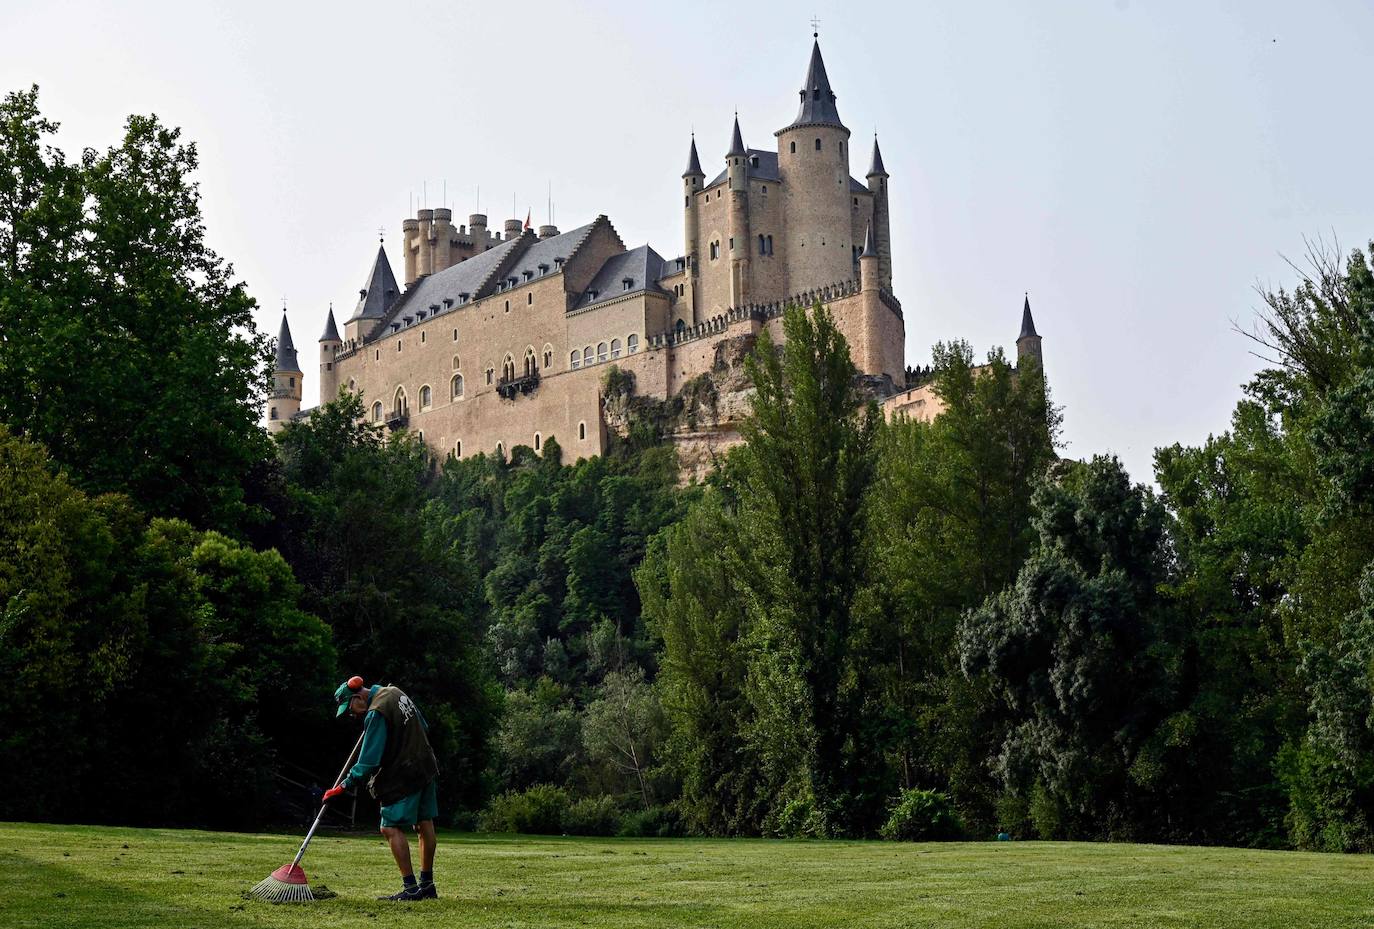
column 287, row 884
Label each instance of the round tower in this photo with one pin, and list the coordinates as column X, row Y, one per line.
column 1028, row 342
column 813, row 160
column 877, row 185
column 477, row 228
column 285, row 400
column 425, row 241
column 692, row 181
column 737, row 222
column 410, row 247
column 330, row 344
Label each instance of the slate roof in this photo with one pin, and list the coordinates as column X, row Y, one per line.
column 767, row 170
column 642, row 267
column 693, row 162
column 544, row 251
column 736, row 141
column 876, row 166
column 466, row 277
column 817, row 99
column 380, row 291
column 1027, row 324
column 331, row 331
column 286, row 349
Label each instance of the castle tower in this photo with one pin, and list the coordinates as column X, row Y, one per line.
column 330, row 344
column 870, row 263
column 737, row 224
column 374, row 298
column 813, row 159
column 441, row 239
column 1028, row 342
column 692, row 180
column 285, row 399
column 877, row 185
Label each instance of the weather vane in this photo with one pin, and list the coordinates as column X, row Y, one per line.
column 815, row 27
column 381, row 233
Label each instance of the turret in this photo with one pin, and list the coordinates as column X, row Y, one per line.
column 513, row 227
column 477, row 228
column 737, row 222
column 877, row 185
column 330, row 344
column 1028, row 342
column 425, row 265
column 410, row 247
column 813, row 159
column 285, row 400
column 870, row 268
column 692, row 181
column 441, row 238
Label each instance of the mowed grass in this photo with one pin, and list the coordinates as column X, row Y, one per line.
column 82, row 876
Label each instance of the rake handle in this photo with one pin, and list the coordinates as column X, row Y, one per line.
column 325, row 805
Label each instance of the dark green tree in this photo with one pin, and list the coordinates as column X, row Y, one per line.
column 130, row 352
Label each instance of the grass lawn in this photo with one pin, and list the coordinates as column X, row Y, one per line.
column 83, row 876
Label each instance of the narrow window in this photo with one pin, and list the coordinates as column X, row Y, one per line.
column 818, row 145
column 538, row 441
column 456, row 387
column 273, row 414
column 377, row 412
column 529, row 299
column 548, row 357
column 422, row 338
column 763, row 245
column 421, row 434
column 794, row 148
column 455, row 335
column 732, row 243
column 507, row 306
column 398, row 345
column 377, row 355
column 581, row 430
column 426, row 397
column 500, row 451
column 458, row 449
column 292, row 380
column 490, row 373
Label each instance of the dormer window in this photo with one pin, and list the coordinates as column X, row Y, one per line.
column 463, row 297
column 543, row 269
column 558, row 262
column 754, row 161
column 627, row 283
column 592, row 295
column 510, row 281
column 395, row 327
column 528, row 275
column 407, row 319
column 448, row 302
column 419, row 314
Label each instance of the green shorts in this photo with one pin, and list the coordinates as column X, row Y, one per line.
column 418, row 807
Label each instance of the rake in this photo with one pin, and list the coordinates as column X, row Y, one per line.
column 288, row 884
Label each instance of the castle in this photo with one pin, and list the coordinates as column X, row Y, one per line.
column 498, row 340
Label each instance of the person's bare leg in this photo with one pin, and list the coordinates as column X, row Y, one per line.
column 400, row 849
column 425, row 830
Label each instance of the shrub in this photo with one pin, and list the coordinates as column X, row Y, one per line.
column 592, row 816
column 538, row 810
column 657, row 822
column 922, row 816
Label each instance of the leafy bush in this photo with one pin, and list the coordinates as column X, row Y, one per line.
column 538, row 810
column 657, row 822
column 922, row 816
column 592, row 816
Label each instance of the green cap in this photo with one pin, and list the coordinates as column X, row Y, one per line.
column 347, row 690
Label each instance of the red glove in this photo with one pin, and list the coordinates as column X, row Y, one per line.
column 333, row 792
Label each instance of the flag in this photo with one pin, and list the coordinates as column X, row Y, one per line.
column 527, row 219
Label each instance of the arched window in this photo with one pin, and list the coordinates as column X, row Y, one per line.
column 587, row 355
column 582, row 430
column 426, row 397
column 632, row 343
column 615, row 348
column 377, row 412
column 769, row 243
column 508, row 368
column 531, row 365
column 818, row 145
column 680, row 328
column 794, row 148
column 600, row 351
column 490, row 373
column 352, row 386
column 574, row 359
column 455, row 387
column 538, row 441
column 763, row 245
column 500, row 451
column 456, row 364
column 548, row 356
column 400, row 404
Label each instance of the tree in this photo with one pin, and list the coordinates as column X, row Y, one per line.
column 804, row 473
column 1081, row 651
column 130, row 353
column 623, row 726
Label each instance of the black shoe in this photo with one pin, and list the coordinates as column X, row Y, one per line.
column 428, row 892
column 406, row 894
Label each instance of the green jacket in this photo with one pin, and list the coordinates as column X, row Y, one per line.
column 396, row 759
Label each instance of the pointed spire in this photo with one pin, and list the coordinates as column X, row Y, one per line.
column 380, row 291
column 286, row 349
column 870, row 245
column 1027, row 323
column 736, row 141
column 877, row 166
column 817, row 99
column 693, row 162
column 331, row 331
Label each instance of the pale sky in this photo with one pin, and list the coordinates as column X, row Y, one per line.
column 1138, row 167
